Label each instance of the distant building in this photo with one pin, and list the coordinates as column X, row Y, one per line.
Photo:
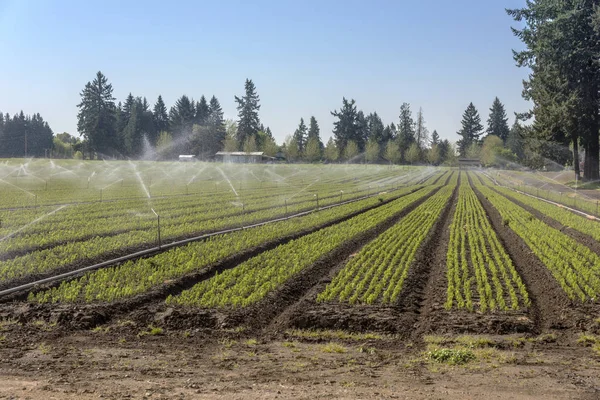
column 469, row 163
column 242, row 157
column 187, row 157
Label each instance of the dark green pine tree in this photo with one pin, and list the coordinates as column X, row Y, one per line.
column 562, row 40
column 160, row 116
column 148, row 128
column 269, row 133
column 345, row 128
column 389, row 133
column 471, row 129
column 216, row 125
column 202, row 112
column 181, row 117
column 39, row 136
column 132, row 134
column 435, row 138
column 515, row 141
column 445, row 149
column 97, row 116
column 497, row 121
column 301, row 136
column 315, row 132
column 406, row 128
column 127, row 106
column 376, row 129
column 248, row 107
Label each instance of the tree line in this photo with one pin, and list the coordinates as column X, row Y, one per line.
column 24, row 136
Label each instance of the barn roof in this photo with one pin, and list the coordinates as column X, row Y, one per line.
column 239, row 153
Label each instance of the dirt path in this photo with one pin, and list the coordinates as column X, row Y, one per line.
column 115, row 365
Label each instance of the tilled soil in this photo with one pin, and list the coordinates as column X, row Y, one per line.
column 42, row 362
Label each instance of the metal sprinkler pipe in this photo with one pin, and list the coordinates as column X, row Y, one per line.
column 158, row 226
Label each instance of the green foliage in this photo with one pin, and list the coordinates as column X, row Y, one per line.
column 451, row 356
column 97, row 117
column 377, row 273
column 474, row 249
column 248, row 107
column 497, row 121
column 573, row 265
column 470, row 131
column 136, row 277
column 252, row 280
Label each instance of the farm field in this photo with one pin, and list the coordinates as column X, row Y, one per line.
column 383, row 265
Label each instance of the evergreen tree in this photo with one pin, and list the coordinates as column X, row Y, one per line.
column 248, row 107
column 97, row 117
column 435, row 138
column 445, row 148
column 562, row 40
column 421, row 132
column 202, row 111
column 182, row 116
column 301, row 137
column 362, row 134
column 269, row 133
column 127, row 106
column 376, row 130
column 160, row 116
column 216, row 127
column 406, row 128
column 389, row 133
column 497, row 121
column 345, row 129
column 471, row 129
column 515, row 142
column 132, row 134
column 315, row 132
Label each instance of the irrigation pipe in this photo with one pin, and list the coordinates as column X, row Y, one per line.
column 573, row 210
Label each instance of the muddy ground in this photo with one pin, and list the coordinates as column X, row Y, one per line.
column 126, row 361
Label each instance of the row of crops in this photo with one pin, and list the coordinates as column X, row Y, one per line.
column 377, row 273
column 63, row 240
column 29, row 183
column 136, row 277
column 480, row 273
column 179, row 216
column 480, row 276
column 573, row 265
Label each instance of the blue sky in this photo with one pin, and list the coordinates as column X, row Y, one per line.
column 303, row 56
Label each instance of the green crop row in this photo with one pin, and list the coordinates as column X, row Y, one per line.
column 378, row 271
column 565, row 217
column 252, row 280
column 476, row 255
column 573, row 265
column 47, row 260
column 135, row 277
